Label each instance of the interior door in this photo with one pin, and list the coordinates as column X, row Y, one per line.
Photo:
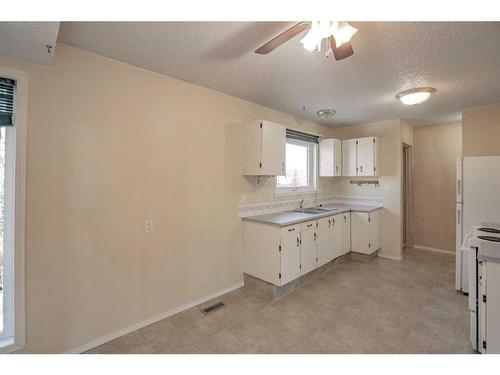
column 273, row 149
column 349, row 157
column 308, row 251
column 337, row 235
column 290, row 258
column 366, row 156
column 324, row 239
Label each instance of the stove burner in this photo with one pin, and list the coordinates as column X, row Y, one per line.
column 489, row 238
column 490, row 230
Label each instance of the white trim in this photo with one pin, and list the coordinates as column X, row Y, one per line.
column 426, row 248
column 20, row 126
column 147, row 322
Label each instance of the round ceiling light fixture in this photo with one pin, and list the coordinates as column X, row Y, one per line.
column 415, row 96
column 326, row 114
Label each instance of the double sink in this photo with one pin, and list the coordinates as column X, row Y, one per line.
column 314, row 210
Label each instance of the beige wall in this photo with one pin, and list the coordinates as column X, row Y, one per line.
column 110, row 145
column 406, row 133
column 481, row 130
column 436, row 149
column 390, row 148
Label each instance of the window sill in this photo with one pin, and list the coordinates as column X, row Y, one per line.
column 280, row 193
column 9, row 345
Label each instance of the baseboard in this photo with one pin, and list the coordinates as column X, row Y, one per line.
column 419, row 247
column 153, row 319
column 389, row 257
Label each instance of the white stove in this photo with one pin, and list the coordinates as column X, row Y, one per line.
column 484, row 288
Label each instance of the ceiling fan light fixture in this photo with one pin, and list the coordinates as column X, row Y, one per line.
column 311, row 41
column 415, row 96
column 343, row 33
column 326, row 114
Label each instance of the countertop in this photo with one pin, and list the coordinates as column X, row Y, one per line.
column 283, row 219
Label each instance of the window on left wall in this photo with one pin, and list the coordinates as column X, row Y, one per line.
column 301, row 160
column 10, row 266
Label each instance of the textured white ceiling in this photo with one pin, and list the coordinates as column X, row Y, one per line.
column 461, row 60
column 28, row 40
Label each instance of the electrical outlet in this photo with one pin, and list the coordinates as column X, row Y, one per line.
column 148, row 226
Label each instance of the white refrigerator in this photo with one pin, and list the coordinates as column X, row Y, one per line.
column 459, row 263
column 478, row 203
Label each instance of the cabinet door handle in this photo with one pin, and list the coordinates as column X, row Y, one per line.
column 298, row 242
column 309, row 225
column 329, row 223
column 291, row 230
column 314, row 236
column 336, row 168
column 361, row 168
column 333, row 220
column 282, row 165
column 345, row 218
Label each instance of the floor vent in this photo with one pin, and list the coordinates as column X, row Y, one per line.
column 213, row 308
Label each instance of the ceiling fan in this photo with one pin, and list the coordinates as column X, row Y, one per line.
column 337, row 34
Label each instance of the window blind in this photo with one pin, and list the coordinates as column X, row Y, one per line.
column 6, row 101
column 294, row 134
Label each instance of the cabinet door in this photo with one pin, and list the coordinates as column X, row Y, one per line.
column 290, row 258
column 366, row 156
column 346, row 232
column 273, row 144
column 337, row 157
column 326, row 155
column 337, row 235
column 330, row 157
column 374, row 224
column 325, row 246
column 308, row 253
column 360, row 232
column 349, row 157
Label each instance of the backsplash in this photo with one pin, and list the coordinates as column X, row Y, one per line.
column 254, row 209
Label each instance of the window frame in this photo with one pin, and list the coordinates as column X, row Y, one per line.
column 16, row 169
column 312, row 171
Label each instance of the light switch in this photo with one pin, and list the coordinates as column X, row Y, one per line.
column 148, row 226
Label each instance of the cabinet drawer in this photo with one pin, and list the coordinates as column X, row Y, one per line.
column 290, row 229
column 308, row 225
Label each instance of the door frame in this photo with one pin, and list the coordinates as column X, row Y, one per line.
column 407, row 195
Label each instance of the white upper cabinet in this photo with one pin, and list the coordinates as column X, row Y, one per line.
column 360, row 157
column 264, row 149
column 349, row 157
column 367, row 151
column 330, row 157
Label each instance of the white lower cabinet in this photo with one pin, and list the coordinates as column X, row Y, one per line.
column 325, row 248
column 308, row 250
column 289, row 258
column 279, row 255
column 329, row 239
column 346, row 232
column 365, row 232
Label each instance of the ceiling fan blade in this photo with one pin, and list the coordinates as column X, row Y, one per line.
column 283, row 37
column 342, row 52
